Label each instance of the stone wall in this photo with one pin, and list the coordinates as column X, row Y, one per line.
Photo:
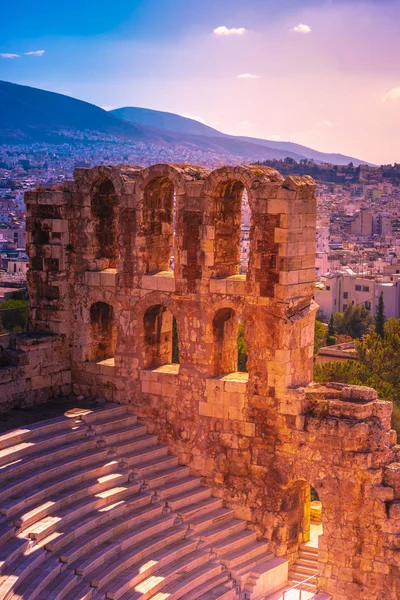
column 101, row 286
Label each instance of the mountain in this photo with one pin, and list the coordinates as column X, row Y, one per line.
column 29, row 115
column 172, row 122
column 165, row 120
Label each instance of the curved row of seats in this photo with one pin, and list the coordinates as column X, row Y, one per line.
column 93, row 507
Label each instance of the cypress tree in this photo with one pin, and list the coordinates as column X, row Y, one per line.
column 380, row 317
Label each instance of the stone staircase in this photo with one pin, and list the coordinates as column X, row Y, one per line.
column 93, row 507
column 305, row 566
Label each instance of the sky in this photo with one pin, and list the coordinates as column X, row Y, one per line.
column 323, row 73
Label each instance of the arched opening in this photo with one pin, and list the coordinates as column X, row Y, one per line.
column 302, row 512
column 158, row 225
column 225, row 330
column 161, row 342
column 232, row 229
column 103, row 331
column 104, row 208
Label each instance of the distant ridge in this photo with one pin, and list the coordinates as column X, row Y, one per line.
column 29, row 115
column 179, row 124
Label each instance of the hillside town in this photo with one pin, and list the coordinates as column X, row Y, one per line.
column 358, row 226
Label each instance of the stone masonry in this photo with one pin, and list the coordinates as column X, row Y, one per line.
column 105, row 301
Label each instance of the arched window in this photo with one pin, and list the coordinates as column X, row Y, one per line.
column 103, row 331
column 225, row 329
column 158, row 225
column 104, row 209
column 232, row 229
column 160, row 337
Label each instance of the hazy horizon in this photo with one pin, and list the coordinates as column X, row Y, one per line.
column 321, row 74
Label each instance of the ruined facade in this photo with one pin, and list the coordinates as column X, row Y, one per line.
column 109, row 318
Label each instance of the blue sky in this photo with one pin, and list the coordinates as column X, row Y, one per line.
column 325, row 73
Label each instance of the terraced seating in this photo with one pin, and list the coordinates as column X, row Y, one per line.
column 93, row 507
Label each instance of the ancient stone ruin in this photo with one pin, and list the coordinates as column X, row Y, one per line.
column 109, row 318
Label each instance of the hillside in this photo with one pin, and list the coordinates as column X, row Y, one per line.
column 172, row 122
column 29, row 115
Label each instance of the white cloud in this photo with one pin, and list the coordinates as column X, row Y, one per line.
column 325, row 124
column 249, row 76
column 194, row 117
column 393, row 94
column 301, row 28
column 35, row 53
column 224, row 30
column 6, row 55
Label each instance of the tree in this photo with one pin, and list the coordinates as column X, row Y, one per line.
column 355, row 321
column 319, row 336
column 242, row 350
column 380, row 317
column 331, row 338
column 378, row 366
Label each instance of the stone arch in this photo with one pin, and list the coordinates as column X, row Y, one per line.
column 225, row 331
column 161, row 193
column 223, row 192
column 104, row 206
column 157, row 329
column 103, row 330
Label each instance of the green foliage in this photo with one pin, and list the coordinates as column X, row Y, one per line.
column 331, row 327
column 331, row 340
column 378, row 366
column 13, row 315
column 355, row 321
column 380, row 317
column 242, row 350
column 319, row 336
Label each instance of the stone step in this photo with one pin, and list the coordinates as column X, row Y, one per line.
column 159, row 478
column 116, row 426
column 107, row 413
column 79, row 510
column 199, row 508
column 209, row 589
column 168, row 574
column 210, row 519
column 310, row 547
column 240, row 558
column 17, row 504
column 19, row 569
column 188, row 498
column 51, row 474
column 130, row 447
column 75, row 530
column 81, row 591
column 104, row 552
column 249, row 568
column 300, row 570
column 305, row 562
column 33, row 585
column 61, row 585
column 144, row 465
column 221, row 590
column 71, row 496
column 28, row 432
column 140, row 510
column 233, row 542
column 39, row 447
column 189, row 586
column 177, row 486
column 128, row 570
column 119, row 435
column 222, row 530
column 7, row 531
column 11, row 550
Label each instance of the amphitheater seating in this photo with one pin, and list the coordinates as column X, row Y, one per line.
column 93, row 507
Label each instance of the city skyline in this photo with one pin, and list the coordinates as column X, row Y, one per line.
column 321, row 74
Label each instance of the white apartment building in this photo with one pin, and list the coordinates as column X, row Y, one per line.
column 336, row 291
